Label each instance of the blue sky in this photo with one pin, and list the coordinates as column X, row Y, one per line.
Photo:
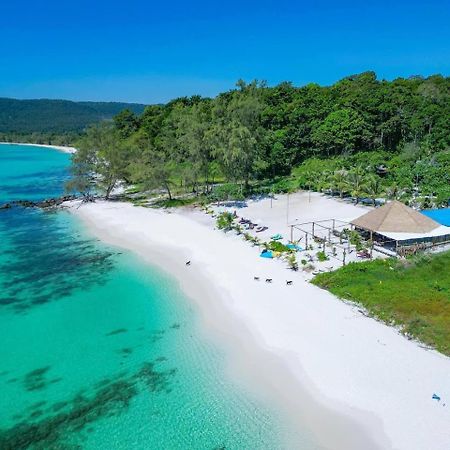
column 146, row 51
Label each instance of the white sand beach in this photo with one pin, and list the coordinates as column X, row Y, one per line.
column 353, row 382
column 60, row 148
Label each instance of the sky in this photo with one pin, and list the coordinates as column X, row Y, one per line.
column 150, row 52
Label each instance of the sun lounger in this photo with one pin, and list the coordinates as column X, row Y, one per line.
column 276, row 237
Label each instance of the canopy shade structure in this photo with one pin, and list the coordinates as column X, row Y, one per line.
column 395, row 217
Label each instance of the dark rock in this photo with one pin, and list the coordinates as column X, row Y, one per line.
column 47, row 203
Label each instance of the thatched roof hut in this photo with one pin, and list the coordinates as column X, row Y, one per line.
column 395, row 217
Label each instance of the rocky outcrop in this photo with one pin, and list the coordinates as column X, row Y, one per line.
column 47, row 203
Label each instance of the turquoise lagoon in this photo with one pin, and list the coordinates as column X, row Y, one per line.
column 99, row 350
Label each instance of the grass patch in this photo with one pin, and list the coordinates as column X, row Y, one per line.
column 412, row 293
column 177, row 202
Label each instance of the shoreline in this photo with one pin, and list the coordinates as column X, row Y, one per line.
column 318, row 358
column 61, row 148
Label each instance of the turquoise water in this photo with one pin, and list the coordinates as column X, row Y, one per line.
column 101, row 351
column 31, row 173
column 441, row 216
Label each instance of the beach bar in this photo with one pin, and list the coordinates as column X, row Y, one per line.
column 399, row 228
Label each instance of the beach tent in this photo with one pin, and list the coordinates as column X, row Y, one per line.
column 266, row 254
column 395, row 217
column 295, row 247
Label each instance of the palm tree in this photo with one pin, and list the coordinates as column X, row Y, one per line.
column 310, row 181
column 340, row 181
column 325, row 181
column 373, row 188
column 393, row 191
column 356, row 183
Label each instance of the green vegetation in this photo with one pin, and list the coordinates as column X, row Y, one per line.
column 322, row 256
column 174, row 203
column 54, row 121
column 291, row 259
column 422, row 180
column 277, row 246
column 225, row 221
column 413, row 294
column 360, row 137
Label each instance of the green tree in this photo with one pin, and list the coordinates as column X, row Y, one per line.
column 193, row 136
column 237, row 134
column 102, row 152
column 126, row 123
column 342, row 131
column 154, row 170
column 373, row 188
column 356, row 183
column 340, row 181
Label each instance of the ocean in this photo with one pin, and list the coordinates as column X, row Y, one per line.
column 100, row 350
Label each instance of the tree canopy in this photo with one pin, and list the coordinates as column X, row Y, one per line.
column 256, row 132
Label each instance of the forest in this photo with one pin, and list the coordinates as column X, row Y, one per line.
column 361, row 137
column 42, row 120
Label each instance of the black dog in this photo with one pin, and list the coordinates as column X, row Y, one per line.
column 268, row 280
column 289, row 282
column 256, row 278
column 188, row 263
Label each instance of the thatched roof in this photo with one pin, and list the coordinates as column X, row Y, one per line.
column 395, row 217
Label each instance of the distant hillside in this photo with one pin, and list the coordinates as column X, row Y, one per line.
column 56, row 116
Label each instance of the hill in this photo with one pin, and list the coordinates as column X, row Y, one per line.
column 56, row 116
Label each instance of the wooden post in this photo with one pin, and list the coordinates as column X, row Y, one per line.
column 313, row 229
column 292, row 233
column 306, row 240
column 343, row 259
column 287, row 209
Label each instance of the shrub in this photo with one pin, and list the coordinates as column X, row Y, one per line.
column 355, row 239
column 225, row 221
column 292, row 261
column 238, row 228
column 276, row 246
column 321, row 256
column 309, row 267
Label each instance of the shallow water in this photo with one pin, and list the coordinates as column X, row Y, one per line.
column 101, row 351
